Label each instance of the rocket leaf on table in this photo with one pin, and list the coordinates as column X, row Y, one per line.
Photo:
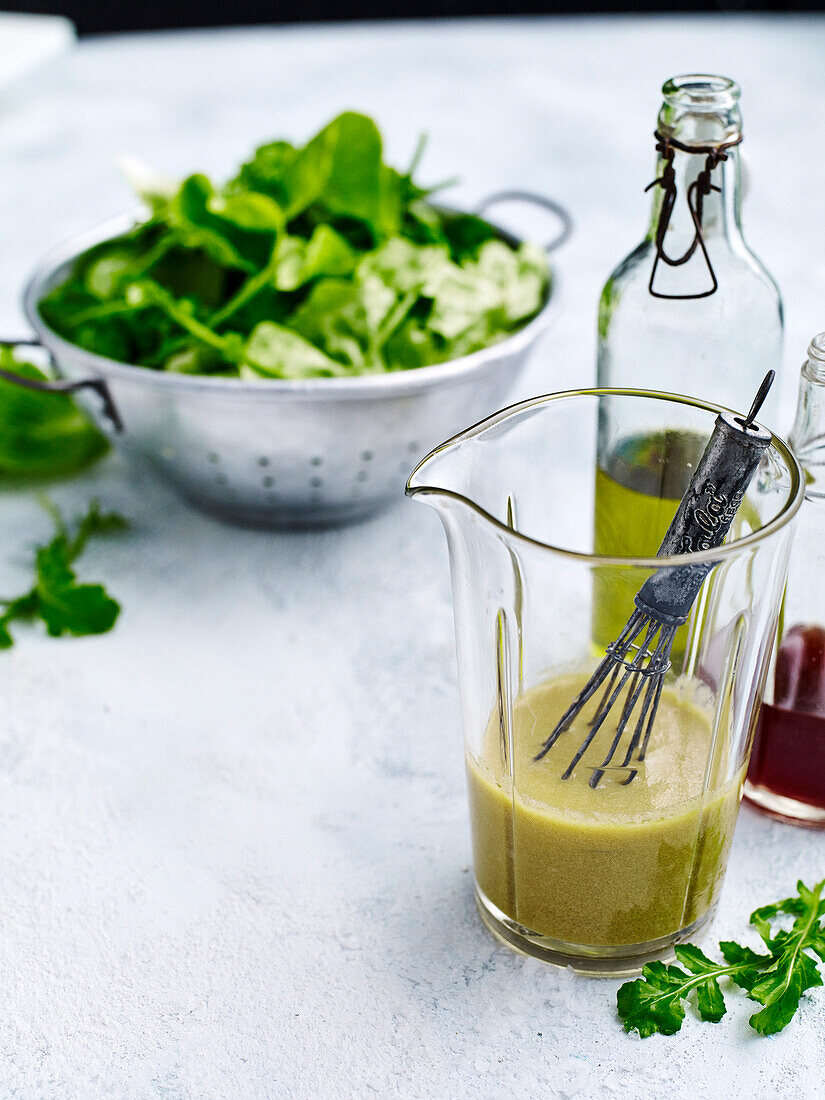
column 326, row 241
column 792, row 970
column 65, row 605
column 655, row 1002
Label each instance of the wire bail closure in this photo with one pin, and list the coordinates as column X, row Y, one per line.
column 697, row 191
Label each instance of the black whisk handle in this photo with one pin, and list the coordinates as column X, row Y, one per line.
column 705, row 515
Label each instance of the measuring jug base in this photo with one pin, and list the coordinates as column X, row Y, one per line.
column 597, row 961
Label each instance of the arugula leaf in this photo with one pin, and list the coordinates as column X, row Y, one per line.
column 423, row 224
column 105, row 274
column 182, row 312
column 187, row 289
column 63, row 604
column 193, row 226
column 654, row 1002
column 193, row 359
column 748, row 962
column 465, row 234
column 792, row 971
column 248, row 210
column 776, row 980
column 341, row 169
column 288, row 263
column 266, row 172
column 328, row 254
column 709, row 999
column 42, row 435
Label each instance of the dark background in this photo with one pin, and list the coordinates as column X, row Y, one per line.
column 100, row 16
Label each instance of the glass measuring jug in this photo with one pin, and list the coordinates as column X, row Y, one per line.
column 603, row 878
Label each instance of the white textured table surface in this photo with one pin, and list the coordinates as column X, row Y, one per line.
column 233, row 838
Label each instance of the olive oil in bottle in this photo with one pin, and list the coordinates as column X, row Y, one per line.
column 638, row 490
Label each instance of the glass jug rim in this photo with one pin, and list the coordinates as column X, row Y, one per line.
column 715, row 555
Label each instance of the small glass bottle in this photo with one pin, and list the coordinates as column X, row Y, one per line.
column 692, row 310
column 786, row 776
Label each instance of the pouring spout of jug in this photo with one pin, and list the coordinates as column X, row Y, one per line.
column 464, row 474
column 439, row 476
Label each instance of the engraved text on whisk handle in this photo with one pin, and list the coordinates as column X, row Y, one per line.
column 715, row 515
column 704, row 516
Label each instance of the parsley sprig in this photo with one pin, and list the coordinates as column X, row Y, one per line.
column 63, row 604
column 776, row 979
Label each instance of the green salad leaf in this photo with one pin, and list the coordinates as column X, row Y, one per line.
column 313, row 261
column 776, row 979
column 57, row 598
column 42, row 435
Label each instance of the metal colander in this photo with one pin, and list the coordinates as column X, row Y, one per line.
column 281, row 453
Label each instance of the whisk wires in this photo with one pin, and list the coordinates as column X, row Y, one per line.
column 641, row 676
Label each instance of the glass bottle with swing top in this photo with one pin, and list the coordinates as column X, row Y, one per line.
column 690, row 311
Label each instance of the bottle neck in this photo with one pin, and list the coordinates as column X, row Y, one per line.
column 720, row 208
column 807, row 436
column 696, row 204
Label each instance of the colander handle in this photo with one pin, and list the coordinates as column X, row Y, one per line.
column 99, row 385
column 565, row 228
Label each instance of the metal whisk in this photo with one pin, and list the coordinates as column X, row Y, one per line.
column 663, row 603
